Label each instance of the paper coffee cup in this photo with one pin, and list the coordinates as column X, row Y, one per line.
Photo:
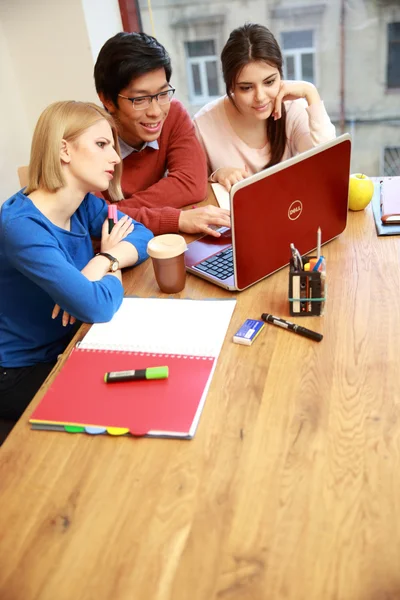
column 168, row 255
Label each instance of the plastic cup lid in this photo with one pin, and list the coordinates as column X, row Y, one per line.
column 166, row 246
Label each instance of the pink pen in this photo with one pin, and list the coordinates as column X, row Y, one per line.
column 112, row 217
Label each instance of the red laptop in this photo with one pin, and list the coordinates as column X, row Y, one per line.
column 270, row 210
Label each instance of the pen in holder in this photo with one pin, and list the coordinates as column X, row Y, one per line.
column 307, row 286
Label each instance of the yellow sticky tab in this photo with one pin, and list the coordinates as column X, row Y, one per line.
column 117, row 430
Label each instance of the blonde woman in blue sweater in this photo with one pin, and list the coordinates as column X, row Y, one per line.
column 49, row 275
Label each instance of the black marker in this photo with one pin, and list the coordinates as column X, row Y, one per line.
column 312, row 335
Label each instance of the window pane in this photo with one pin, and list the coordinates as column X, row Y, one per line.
column 297, row 39
column 391, row 167
column 196, row 79
column 200, row 48
column 290, row 73
column 394, row 32
column 393, row 65
column 212, row 78
column 307, row 67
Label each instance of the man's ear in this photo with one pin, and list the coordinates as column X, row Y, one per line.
column 109, row 104
column 65, row 154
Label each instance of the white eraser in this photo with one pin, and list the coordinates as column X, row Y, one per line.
column 248, row 332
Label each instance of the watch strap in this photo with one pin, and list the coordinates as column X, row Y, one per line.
column 111, row 258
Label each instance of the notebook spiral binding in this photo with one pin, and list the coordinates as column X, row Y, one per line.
column 128, row 350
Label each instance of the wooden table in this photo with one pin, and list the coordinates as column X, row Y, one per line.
column 289, row 490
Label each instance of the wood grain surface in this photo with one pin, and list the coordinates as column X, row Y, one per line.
column 290, row 489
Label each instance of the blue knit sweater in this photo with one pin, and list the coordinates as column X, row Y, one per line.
column 40, row 266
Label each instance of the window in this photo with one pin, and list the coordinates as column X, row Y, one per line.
column 391, row 161
column 393, row 63
column 298, row 53
column 202, row 67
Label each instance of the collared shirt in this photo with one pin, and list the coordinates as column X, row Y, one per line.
column 126, row 149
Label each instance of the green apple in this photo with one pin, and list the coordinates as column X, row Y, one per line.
column 361, row 190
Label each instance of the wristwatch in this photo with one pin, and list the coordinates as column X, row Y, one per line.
column 114, row 264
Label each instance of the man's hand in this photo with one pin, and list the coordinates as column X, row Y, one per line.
column 200, row 220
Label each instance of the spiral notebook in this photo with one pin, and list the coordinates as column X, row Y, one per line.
column 185, row 335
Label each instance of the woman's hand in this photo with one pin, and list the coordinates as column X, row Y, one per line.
column 292, row 90
column 227, row 176
column 66, row 318
column 201, row 219
column 121, row 229
column 92, row 276
column 108, row 240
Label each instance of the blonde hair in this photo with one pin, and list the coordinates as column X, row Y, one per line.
column 65, row 120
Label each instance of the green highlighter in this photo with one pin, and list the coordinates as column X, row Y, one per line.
column 137, row 374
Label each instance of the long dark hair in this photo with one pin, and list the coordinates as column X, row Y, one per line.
column 251, row 43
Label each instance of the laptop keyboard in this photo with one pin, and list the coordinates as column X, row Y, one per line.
column 220, row 265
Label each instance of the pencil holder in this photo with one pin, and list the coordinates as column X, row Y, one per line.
column 307, row 287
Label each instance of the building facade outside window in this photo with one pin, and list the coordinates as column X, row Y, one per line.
column 299, row 55
column 202, row 71
column 352, row 56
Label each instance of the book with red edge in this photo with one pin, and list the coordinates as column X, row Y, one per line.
column 185, row 335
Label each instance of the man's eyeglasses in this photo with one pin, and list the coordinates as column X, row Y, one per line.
column 144, row 101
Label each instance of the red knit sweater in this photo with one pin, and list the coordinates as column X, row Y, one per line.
column 153, row 199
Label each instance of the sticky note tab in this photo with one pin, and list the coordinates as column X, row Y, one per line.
column 74, row 429
column 95, row 430
column 117, row 430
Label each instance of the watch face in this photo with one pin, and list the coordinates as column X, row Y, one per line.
column 114, row 266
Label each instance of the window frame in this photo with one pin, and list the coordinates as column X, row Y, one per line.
column 201, row 61
column 130, row 15
column 296, row 54
column 382, row 166
column 391, row 88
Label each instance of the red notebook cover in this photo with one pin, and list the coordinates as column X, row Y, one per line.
column 165, row 407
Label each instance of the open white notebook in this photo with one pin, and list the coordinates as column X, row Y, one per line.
column 165, row 326
column 184, row 335
column 221, row 195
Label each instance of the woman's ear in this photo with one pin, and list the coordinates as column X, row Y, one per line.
column 65, row 154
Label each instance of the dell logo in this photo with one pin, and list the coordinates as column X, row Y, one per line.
column 295, row 210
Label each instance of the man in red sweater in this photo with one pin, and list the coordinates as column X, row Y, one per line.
column 164, row 167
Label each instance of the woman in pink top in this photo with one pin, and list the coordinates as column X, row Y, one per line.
column 263, row 119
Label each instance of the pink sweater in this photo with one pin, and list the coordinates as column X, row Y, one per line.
column 306, row 127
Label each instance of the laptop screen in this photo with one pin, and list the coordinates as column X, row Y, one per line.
column 286, row 204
